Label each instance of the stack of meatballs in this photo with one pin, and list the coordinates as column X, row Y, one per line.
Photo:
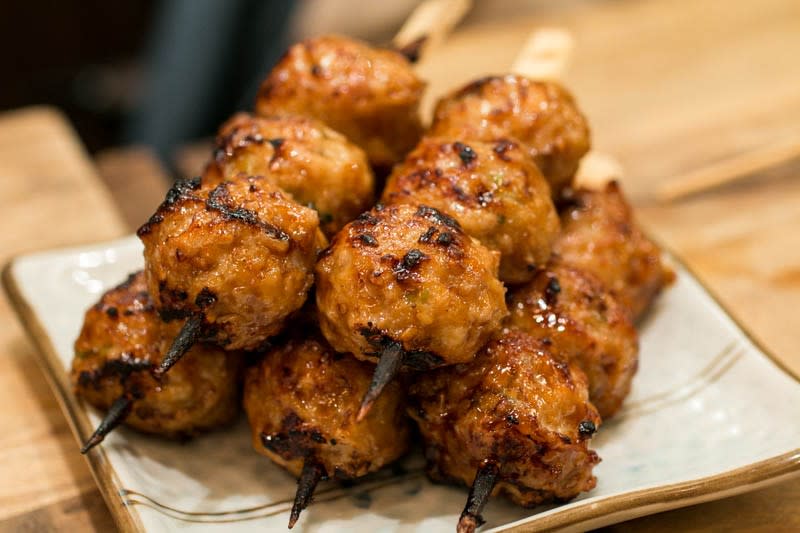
column 477, row 302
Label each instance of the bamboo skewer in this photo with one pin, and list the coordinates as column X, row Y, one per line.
column 479, row 494
column 428, row 25
column 545, row 56
column 597, row 169
column 388, row 366
column 425, row 28
column 729, row 170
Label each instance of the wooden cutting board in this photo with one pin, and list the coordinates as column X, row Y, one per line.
column 669, row 87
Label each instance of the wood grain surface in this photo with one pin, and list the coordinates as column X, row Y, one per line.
column 670, row 88
column 51, row 197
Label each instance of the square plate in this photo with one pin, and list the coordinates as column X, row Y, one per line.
column 710, row 415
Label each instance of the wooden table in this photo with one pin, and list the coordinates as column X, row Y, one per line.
column 52, row 197
column 669, row 88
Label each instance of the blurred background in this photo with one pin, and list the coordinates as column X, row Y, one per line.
column 146, row 83
column 161, row 73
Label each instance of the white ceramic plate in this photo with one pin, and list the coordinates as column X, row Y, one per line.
column 710, row 415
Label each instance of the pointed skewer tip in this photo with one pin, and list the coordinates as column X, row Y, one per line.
column 116, row 414
column 479, row 493
column 90, row 443
column 311, row 475
column 363, row 411
column 388, row 365
column 184, row 340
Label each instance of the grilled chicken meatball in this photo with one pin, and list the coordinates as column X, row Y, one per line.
column 540, row 114
column 301, row 401
column 601, row 237
column 316, row 165
column 240, row 256
column 370, row 95
column 408, row 275
column 517, row 415
column 122, row 339
column 573, row 313
column 493, row 189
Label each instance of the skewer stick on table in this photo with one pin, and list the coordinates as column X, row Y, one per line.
column 730, row 170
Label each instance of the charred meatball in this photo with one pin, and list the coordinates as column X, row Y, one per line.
column 575, row 315
column 122, row 339
column 238, row 256
column 316, row 165
column 601, row 237
column 370, row 95
column 542, row 115
column 408, row 275
column 493, row 189
column 302, row 400
column 515, row 421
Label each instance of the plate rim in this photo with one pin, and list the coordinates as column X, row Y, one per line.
column 126, row 518
column 609, row 510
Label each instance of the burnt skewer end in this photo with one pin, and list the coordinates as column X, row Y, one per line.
column 388, row 365
column 184, row 340
column 468, row 523
column 482, row 486
column 91, row 442
column 312, row 473
column 116, row 414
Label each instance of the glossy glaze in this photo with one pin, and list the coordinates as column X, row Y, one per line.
column 301, row 400
column 409, row 274
column 541, row 115
column 122, row 338
column 517, row 406
column 493, row 189
column 319, row 167
column 239, row 254
column 600, row 236
column 581, row 322
column 370, row 95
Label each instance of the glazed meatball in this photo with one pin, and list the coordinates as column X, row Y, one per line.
column 239, row 255
column 302, row 401
column 122, row 339
column 493, row 189
column 517, row 416
column 408, row 275
column 540, row 114
column 601, row 237
column 370, row 95
column 316, row 165
column 575, row 315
